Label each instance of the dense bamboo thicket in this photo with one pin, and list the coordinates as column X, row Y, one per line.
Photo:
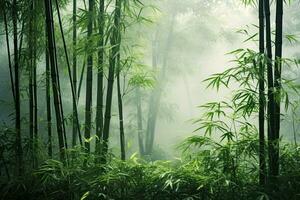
column 138, row 99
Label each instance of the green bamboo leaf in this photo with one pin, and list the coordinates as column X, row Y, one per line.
column 85, row 195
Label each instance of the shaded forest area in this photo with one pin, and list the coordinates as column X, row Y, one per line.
column 102, row 99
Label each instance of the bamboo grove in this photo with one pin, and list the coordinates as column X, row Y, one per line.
column 89, row 83
column 107, row 35
column 34, row 22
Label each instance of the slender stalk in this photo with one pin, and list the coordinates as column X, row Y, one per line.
column 262, row 159
column 48, row 100
column 89, row 80
column 69, row 73
column 99, row 111
column 58, row 83
column 54, row 78
column 271, row 114
column 74, row 65
column 31, row 102
column 19, row 150
column 35, row 107
column 111, row 73
column 120, row 107
column 32, row 85
column 80, row 81
column 277, row 81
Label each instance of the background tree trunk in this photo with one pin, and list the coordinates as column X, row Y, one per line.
column 155, row 99
column 140, row 122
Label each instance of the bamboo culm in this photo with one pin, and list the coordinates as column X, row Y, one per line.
column 19, row 150
column 277, row 81
column 74, row 66
column 100, row 74
column 54, row 77
column 69, row 73
column 89, row 80
column 120, row 107
column 111, row 73
column 262, row 159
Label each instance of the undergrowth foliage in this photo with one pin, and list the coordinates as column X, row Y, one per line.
column 207, row 174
